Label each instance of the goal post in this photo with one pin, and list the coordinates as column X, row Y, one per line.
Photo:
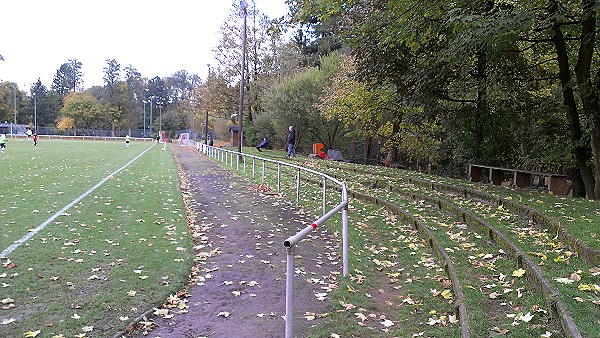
column 184, row 139
column 162, row 137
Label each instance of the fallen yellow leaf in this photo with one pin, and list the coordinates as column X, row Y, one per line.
column 518, row 273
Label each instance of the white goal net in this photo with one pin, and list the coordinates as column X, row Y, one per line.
column 184, row 139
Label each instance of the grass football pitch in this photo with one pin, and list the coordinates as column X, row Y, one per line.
column 122, row 246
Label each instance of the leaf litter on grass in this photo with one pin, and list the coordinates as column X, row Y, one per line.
column 85, row 251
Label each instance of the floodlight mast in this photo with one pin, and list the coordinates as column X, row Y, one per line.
column 244, row 6
column 15, row 103
column 35, row 111
column 206, row 128
column 150, row 122
column 145, row 91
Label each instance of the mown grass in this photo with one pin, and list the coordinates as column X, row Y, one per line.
column 118, row 252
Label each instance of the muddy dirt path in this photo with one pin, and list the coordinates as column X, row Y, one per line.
column 237, row 288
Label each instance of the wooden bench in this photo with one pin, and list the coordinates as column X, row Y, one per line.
column 556, row 183
column 388, row 163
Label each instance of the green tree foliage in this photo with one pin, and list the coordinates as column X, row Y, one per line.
column 69, row 77
column 179, row 86
column 159, row 97
column 157, row 89
column 294, row 102
column 572, row 27
column 47, row 104
column 115, row 98
column 318, row 34
column 112, row 74
column 135, row 98
column 485, row 73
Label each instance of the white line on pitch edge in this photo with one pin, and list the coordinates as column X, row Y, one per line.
column 40, row 227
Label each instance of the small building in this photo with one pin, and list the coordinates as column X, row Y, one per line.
column 234, row 137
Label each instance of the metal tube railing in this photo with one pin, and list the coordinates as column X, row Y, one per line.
column 291, row 242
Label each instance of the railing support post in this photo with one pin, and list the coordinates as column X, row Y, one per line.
column 298, row 186
column 345, row 232
column 278, row 177
column 289, row 294
column 262, row 178
column 324, row 195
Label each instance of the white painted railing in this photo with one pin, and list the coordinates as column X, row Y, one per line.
column 228, row 157
column 88, row 138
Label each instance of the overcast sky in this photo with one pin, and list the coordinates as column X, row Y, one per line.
column 156, row 37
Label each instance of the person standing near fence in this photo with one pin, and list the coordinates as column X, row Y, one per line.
column 2, row 142
column 127, row 141
column 35, row 139
column 291, row 142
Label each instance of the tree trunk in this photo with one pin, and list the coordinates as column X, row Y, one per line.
column 392, row 154
column 481, row 104
column 368, row 145
column 580, row 151
column 595, row 137
column 587, row 91
column 577, row 188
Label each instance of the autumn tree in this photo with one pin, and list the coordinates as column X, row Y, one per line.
column 84, row 110
column 572, row 27
column 359, row 107
column 294, row 102
column 10, row 97
column 264, row 67
column 482, row 72
column 66, row 123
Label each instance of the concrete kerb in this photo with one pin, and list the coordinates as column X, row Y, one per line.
column 555, row 304
column 585, row 252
